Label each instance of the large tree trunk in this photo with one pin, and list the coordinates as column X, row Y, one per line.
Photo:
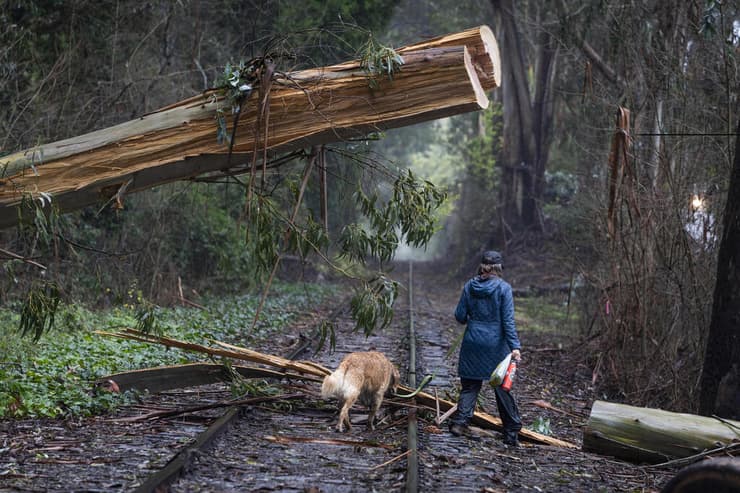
column 527, row 123
column 441, row 77
column 642, row 434
column 723, row 343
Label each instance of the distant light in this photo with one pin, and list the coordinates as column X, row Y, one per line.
column 697, row 203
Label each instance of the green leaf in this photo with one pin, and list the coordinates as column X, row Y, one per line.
column 39, row 309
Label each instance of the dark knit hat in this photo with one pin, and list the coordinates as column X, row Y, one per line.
column 491, row 257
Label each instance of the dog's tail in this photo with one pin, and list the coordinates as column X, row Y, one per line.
column 332, row 385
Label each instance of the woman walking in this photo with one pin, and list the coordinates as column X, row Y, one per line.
column 487, row 307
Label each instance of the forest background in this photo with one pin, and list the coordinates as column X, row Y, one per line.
column 630, row 226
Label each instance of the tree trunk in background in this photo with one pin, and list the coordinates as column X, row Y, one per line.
column 527, row 123
column 723, row 342
column 543, row 111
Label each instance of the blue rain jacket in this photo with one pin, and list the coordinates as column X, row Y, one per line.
column 487, row 307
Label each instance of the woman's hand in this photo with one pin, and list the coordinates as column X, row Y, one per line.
column 516, row 354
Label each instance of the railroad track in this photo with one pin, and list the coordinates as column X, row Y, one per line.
column 292, row 446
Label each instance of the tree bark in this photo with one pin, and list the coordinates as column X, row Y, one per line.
column 527, row 122
column 543, row 108
column 723, row 342
column 306, row 108
column 642, row 434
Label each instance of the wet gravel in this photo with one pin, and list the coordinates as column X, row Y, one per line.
column 297, row 449
column 98, row 454
column 480, row 461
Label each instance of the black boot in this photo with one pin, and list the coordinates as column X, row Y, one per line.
column 511, row 438
column 458, row 429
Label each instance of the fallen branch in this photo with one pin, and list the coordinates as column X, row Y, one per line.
column 396, row 458
column 326, row 441
column 190, row 375
column 485, row 420
column 450, row 411
column 393, row 424
column 313, row 369
column 547, row 405
column 195, row 409
column 684, row 461
column 22, row 258
column 184, row 300
column 728, row 423
column 230, row 351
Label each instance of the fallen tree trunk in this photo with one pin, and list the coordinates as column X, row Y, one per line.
column 641, row 434
column 310, row 107
column 483, row 48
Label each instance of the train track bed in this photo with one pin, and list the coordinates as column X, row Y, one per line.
column 480, row 461
column 293, row 446
column 103, row 453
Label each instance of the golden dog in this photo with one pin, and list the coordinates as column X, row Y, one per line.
column 366, row 376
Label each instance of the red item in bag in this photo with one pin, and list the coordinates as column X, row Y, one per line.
column 509, row 376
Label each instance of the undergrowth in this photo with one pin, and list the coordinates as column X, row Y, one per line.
column 546, row 314
column 55, row 376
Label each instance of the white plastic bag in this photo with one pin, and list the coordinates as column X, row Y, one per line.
column 498, row 374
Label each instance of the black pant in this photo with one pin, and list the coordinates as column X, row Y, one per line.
column 505, row 402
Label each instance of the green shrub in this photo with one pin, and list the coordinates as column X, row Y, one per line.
column 54, row 377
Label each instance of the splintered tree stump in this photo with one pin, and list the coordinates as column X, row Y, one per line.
column 441, row 77
column 641, row 434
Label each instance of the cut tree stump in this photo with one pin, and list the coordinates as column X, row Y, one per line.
column 441, row 77
column 640, row 434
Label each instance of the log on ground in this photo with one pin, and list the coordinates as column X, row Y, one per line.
column 485, row 420
column 641, row 434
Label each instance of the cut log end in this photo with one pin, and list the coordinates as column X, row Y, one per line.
column 475, row 82
column 490, row 44
column 484, row 52
column 443, row 77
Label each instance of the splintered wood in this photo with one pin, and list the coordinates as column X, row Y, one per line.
column 441, row 77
